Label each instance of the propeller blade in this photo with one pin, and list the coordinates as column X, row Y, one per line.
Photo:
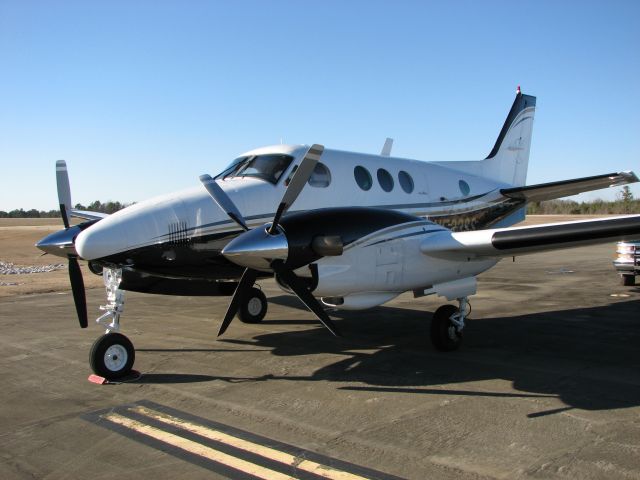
column 64, row 191
column 77, row 287
column 246, row 282
column 222, row 199
column 297, row 183
column 304, row 294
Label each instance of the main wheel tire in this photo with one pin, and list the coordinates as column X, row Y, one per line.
column 628, row 280
column 444, row 335
column 112, row 356
column 253, row 306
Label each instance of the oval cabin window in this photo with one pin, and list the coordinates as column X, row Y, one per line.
column 363, row 177
column 464, row 187
column 406, row 182
column 385, row 180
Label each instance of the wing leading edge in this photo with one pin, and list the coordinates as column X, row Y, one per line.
column 507, row 242
column 86, row 215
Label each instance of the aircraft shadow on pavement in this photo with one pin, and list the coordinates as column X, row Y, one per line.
column 587, row 357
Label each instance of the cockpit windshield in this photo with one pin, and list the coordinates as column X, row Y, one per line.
column 269, row 167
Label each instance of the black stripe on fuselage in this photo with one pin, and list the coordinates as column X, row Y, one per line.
column 568, row 233
column 200, row 258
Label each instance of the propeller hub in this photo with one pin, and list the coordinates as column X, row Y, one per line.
column 257, row 248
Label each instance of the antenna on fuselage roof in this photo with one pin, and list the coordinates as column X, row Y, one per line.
column 386, row 149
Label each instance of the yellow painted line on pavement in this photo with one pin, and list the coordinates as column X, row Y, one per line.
column 197, row 448
column 263, row 451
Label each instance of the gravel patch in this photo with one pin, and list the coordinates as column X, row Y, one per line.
column 8, row 268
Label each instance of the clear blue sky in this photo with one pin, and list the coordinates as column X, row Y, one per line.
column 141, row 97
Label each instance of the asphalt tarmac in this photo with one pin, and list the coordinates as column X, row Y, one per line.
column 546, row 385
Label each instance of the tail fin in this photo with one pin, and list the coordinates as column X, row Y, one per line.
column 509, row 159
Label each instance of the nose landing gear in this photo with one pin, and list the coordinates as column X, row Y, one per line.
column 112, row 355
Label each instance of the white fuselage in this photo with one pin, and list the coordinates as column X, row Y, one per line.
column 437, row 191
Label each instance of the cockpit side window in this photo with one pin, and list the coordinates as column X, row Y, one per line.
column 269, row 167
column 231, row 168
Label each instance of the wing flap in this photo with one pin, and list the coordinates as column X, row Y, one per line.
column 566, row 188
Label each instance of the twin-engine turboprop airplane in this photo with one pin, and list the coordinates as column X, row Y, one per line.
column 365, row 229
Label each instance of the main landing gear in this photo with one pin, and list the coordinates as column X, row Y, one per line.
column 253, row 307
column 447, row 325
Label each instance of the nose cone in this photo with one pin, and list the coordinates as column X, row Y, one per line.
column 257, row 248
column 100, row 240
column 60, row 243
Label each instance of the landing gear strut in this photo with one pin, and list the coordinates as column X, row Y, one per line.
column 447, row 325
column 112, row 354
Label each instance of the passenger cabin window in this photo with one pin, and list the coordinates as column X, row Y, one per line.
column 269, row 167
column 464, row 187
column 385, row 180
column 321, row 176
column 363, row 177
column 406, row 182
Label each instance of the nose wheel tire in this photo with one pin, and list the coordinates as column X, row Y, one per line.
column 95, row 268
column 444, row 334
column 112, row 356
column 253, row 307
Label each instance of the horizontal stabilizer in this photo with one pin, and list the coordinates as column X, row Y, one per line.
column 507, row 242
column 566, row 188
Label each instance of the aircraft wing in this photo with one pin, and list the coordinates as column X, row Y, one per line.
column 86, row 215
column 565, row 188
column 513, row 241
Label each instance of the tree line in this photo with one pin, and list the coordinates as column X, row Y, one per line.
column 625, row 203
column 569, row 207
column 97, row 206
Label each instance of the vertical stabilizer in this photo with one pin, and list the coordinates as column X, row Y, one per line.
column 509, row 159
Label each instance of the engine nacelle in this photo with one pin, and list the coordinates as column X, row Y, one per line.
column 371, row 273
